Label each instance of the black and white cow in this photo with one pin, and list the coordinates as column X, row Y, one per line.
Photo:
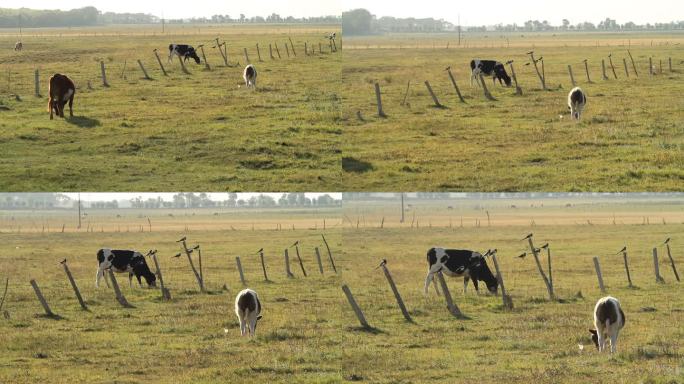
column 121, row 261
column 458, row 262
column 248, row 310
column 489, row 68
column 183, row 50
column 250, row 76
column 608, row 321
column 18, row 46
column 577, row 99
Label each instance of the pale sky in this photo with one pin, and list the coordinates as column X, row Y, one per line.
column 109, row 196
column 475, row 13
column 195, row 8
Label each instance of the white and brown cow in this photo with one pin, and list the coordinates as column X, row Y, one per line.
column 122, row 261
column 577, row 100
column 608, row 321
column 248, row 310
column 489, row 68
column 458, row 262
column 18, row 46
column 250, row 76
column 61, row 90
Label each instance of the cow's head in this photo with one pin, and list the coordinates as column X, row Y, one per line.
column 594, row 337
column 480, row 270
column 140, row 268
column 191, row 53
column 501, row 73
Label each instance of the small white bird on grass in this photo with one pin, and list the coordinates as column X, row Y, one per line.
column 581, row 347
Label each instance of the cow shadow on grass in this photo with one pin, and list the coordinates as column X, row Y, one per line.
column 83, row 122
column 369, row 329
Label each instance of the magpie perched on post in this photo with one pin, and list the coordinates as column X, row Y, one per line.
column 181, row 240
column 526, row 237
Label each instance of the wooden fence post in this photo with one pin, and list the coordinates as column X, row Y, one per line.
column 185, row 70
column 612, row 67
column 485, row 89
column 74, row 286
column 270, row 51
column 453, row 82
column 104, row 74
column 330, row 256
column 624, row 61
column 586, row 69
column 320, row 47
column 239, row 267
column 301, row 264
column 378, row 97
column 408, row 86
column 119, row 296
column 258, row 52
column 318, row 259
column 246, row 56
column 650, row 66
column 633, row 65
column 147, row 77
column 160, row 63
column 263, row 264
column 192, row 265
column 204, row 57
column 624, row 258
column 669, row 63
column 603, row 69
column 288, row 272
column 572, row 78
column 453, row 308
column 656, row 267
column 535, row 253
column 36, row 80
column 597, row 267
column 518, row 90
column 669, row 255
column 434, row 97
column 548, row 260
column 397, row 296
column 42, row 300
column 166, row 294
column 306, row 50
column 277, row 50
column 292, row 46
column 507, row 300
column 539, row 74
column 199, row 260
column 355, row 307
column 287, row 50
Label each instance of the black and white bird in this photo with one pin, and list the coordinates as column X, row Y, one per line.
column 527, row 237
column 181, row 240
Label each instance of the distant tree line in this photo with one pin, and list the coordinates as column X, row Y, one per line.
column 362, row 22
column 371, row 196
column 91, row 16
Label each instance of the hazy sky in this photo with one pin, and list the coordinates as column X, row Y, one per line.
column 183, row 9
column 519, row 11
column 107, row 196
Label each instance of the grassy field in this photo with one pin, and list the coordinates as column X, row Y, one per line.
column 203, row 131
column 631, row 136
column 538, row 341
column 182, row 340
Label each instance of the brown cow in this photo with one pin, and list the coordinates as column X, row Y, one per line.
column 18, row 46
column 61, row 90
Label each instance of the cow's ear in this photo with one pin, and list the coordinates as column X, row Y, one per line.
column 259, row 317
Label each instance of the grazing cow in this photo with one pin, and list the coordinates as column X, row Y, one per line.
column 61, row 89
column 121, row 261
column 577, row 99
column 248, row 311
column 250, row 75
column 18, row 46
column 184, row 51
column 331, row 36
column 457, row 262
column 608, row 321
column 489, row 68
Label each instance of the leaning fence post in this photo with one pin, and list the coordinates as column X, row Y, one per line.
column 669, row 63
column 603, row 69
column 650, row 66
column 204, row 57
column 270, row 51
column 535, row 253
column 674, row 268
column 36, row 79
column 381, row 113
column 586, row 69
column 301, row 264
column 160, row 63
column 200, row 282
column 147, row 77
column 624, row 258
column 239, row 267
column 74, row 286
column 397, row 296
column 119, row 296
column 453, row 81
column 330, row 256
column 166, row 294
column 258, row 52
column 572, row 78
column 447, row 295
column 277, row 50
column 306, row 49
column 597, row 267
column 656, row 267
column 318, row 259
column 263, row 264
column 288, row 272
column 246, row 56
column 434, row 97
column 633, row 65
column 624, row 61
column 485, row 89
column 612, row 67
column 42, row 300
column 507, row 300
column 292, row 46
column 536, row 68
column 185, row 70
column 287, row 50
column 355, row 307
column 518, row 90
column 104, row 74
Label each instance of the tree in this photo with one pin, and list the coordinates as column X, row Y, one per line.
column 357, row 22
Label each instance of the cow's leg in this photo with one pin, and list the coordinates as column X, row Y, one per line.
column 50, row 104
column 465, row 283
column 428, row 279
column 477, row 290
column 130, row 279
column 106, row 279
column 252, row 324
column 139, row 282
column 61, row 108
column 71, row 105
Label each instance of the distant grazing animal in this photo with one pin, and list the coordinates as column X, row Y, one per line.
column 250, row 76
column 331, row 36
column 457, row 262
column 577, row 99
column 608, row 321
column 18, row 46
column 489, row 68
column 184, row 51
column 61, row 89
column 248, row 310
column 121, row 261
